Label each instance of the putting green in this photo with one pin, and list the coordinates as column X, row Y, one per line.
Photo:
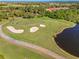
column 44, row 36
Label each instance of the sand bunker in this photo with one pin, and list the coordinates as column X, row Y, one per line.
column 34, row 29
column 12, row 29
column 42, row 25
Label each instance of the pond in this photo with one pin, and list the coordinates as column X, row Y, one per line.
column 68, row 40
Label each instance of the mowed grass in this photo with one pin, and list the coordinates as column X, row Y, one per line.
column 44, row 36
column 10, row 51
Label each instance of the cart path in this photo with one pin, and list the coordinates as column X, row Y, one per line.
column 30, row 46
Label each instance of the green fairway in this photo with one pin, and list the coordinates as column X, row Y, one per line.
column 43, row 37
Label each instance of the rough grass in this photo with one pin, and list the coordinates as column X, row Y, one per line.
column 9, row 51
column 44, row 36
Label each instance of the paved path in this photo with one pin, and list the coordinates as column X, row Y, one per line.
column 30, row 45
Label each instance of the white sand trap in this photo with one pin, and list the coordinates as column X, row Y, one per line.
column 42, row 25
column 34, row 29
column 12, row 29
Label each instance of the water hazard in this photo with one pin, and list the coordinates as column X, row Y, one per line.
column 68, row 40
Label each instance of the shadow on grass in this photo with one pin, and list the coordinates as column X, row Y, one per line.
column 68, row 40
column 1, row 57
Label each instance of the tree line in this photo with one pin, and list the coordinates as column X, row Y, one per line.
column 39, row 10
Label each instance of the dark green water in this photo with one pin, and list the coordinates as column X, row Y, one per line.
column 68, row 40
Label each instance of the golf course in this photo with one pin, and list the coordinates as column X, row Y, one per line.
column 43, row 38
column 39, row 30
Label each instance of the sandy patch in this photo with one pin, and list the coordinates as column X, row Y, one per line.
column 12, row 29
column 42, row 25
column 34, row 29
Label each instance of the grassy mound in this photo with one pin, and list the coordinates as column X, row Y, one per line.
column 44, row 36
